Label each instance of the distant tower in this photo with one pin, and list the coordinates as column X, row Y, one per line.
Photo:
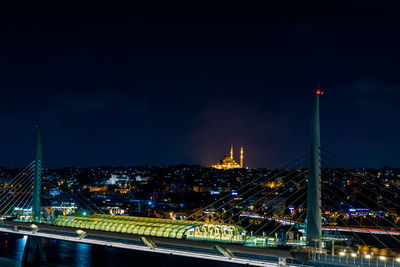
column 36, row 181
column 314, row 180
column 231, row 151
column 241, row 157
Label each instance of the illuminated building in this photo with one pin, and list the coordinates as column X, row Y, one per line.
column 177, row 229
column 95, row 188
column 118, row 179
column 227, row 162
column 124, row 190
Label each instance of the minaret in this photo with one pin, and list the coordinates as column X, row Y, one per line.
column 37, row 178
column 231, row 151
column 241, row 157
column 314, row 180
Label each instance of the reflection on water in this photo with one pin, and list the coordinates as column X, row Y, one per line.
column 11, row 251
column 63, row 254
column 82, row 252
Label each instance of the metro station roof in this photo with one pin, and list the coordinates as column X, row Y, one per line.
column 177, row 229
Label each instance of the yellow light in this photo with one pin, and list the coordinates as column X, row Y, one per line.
column 398, row 259
column 367, row 256
column 382, row 258
column 342, row 253
column 353, row 255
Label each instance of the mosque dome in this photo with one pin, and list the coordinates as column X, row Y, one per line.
column 227, row 162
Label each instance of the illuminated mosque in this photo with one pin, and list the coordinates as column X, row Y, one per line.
column 227, row 162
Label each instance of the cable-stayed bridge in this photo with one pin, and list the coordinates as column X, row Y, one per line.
column 298, row 214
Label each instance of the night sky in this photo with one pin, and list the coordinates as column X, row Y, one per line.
column 177, row 83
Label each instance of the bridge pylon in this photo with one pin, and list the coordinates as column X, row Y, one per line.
column 34, row 251
column 37, row 178
column 314, row 231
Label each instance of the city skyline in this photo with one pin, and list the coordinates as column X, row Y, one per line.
column 143, row 88
column 194, row 133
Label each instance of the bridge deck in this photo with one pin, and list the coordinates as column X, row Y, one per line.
column 168, row 242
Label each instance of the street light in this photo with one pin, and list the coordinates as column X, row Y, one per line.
column 343, row 253
column 368, row 256
column 353, row 255
column 383, row 258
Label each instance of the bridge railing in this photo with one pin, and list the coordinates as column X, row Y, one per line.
column 353, row 259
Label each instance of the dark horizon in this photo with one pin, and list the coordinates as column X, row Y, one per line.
column 178, row 83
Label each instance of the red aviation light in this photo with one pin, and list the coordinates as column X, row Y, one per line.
column 319, row 92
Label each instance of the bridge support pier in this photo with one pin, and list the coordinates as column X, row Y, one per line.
column 34, row 251
column 149, row 242
column 224, row 251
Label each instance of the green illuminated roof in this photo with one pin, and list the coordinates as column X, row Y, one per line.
column 177, row 229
